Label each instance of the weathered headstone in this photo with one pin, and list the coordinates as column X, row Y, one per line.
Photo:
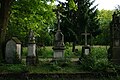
column 13, row 51
column 86, row 47
column 59, row 42
column 114, row 50
column 31, row 57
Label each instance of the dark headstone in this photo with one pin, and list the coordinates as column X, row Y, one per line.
column 114, row 50
column 13, row 51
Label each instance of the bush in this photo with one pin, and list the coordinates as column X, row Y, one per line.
column 45, row 52
column 96, row 61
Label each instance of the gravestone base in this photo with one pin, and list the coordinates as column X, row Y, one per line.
column 116, row 55
column 85, row 50
column 31, row 60
column 115, row 61
column 9, row 60
column 58, row 53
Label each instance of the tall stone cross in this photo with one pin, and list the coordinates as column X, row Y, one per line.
column 85, row 34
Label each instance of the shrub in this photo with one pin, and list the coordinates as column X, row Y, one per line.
column 44, row 52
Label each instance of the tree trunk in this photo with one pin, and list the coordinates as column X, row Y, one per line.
column 73, row 48
column 4, row 15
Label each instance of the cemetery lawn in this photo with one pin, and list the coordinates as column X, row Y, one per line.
column 96, row 62
column 42, row 67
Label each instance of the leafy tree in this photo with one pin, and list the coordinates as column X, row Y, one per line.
column 105, row 17
column 75, row 20
column 31, row 14
column 87, row 17
column 25, row 14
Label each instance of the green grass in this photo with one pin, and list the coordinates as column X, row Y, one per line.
column 47, row 67
column 14, row 68
column 96, row 61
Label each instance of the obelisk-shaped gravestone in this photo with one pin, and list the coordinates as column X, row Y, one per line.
column 114, row 50
column 31, row 56
column 58, row 42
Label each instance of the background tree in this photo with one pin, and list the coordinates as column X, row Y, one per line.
column 4, row 16
column 76, row 18
column 105, row 17
column 87, row 17
column 37, row 15
column 25, row 14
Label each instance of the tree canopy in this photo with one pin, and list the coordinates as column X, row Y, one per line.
column 37, row 15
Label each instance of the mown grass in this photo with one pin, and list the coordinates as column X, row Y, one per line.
column 47, row 51
column 96, row 61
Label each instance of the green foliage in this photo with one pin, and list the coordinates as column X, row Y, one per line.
column 96, row 61
column 87, row 17
column 100, row 56
column 72, row 4
column 29, row 14
column 68, row 52
column 87, row 63
column 15, row 68
column 105, row 17
column 45, row 52
column 24, row 51
column 74, row 21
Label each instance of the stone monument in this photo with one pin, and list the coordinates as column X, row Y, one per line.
column 114, row 50
column 31, row 57
column 59, row 42
column 86, row 47
column 13, row 51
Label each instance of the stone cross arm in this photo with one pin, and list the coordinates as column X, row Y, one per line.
column 85, row 34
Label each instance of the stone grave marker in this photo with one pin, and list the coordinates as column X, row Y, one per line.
column 13, row 51
column 31, row 56
column 114, row 50
column 86, row 47
column 59, row 42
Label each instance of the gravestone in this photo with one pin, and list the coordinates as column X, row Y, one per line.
column 13, row 51
column 31, row 56
column 86, row 47
column 59, row 42
column 114, row 50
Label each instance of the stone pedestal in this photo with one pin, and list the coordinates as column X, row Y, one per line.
column 115, row 57
column 31, row 49
column 85, row 50
column 58, row 45
column 31, row 56
column 31, row 60
column 58, row 53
